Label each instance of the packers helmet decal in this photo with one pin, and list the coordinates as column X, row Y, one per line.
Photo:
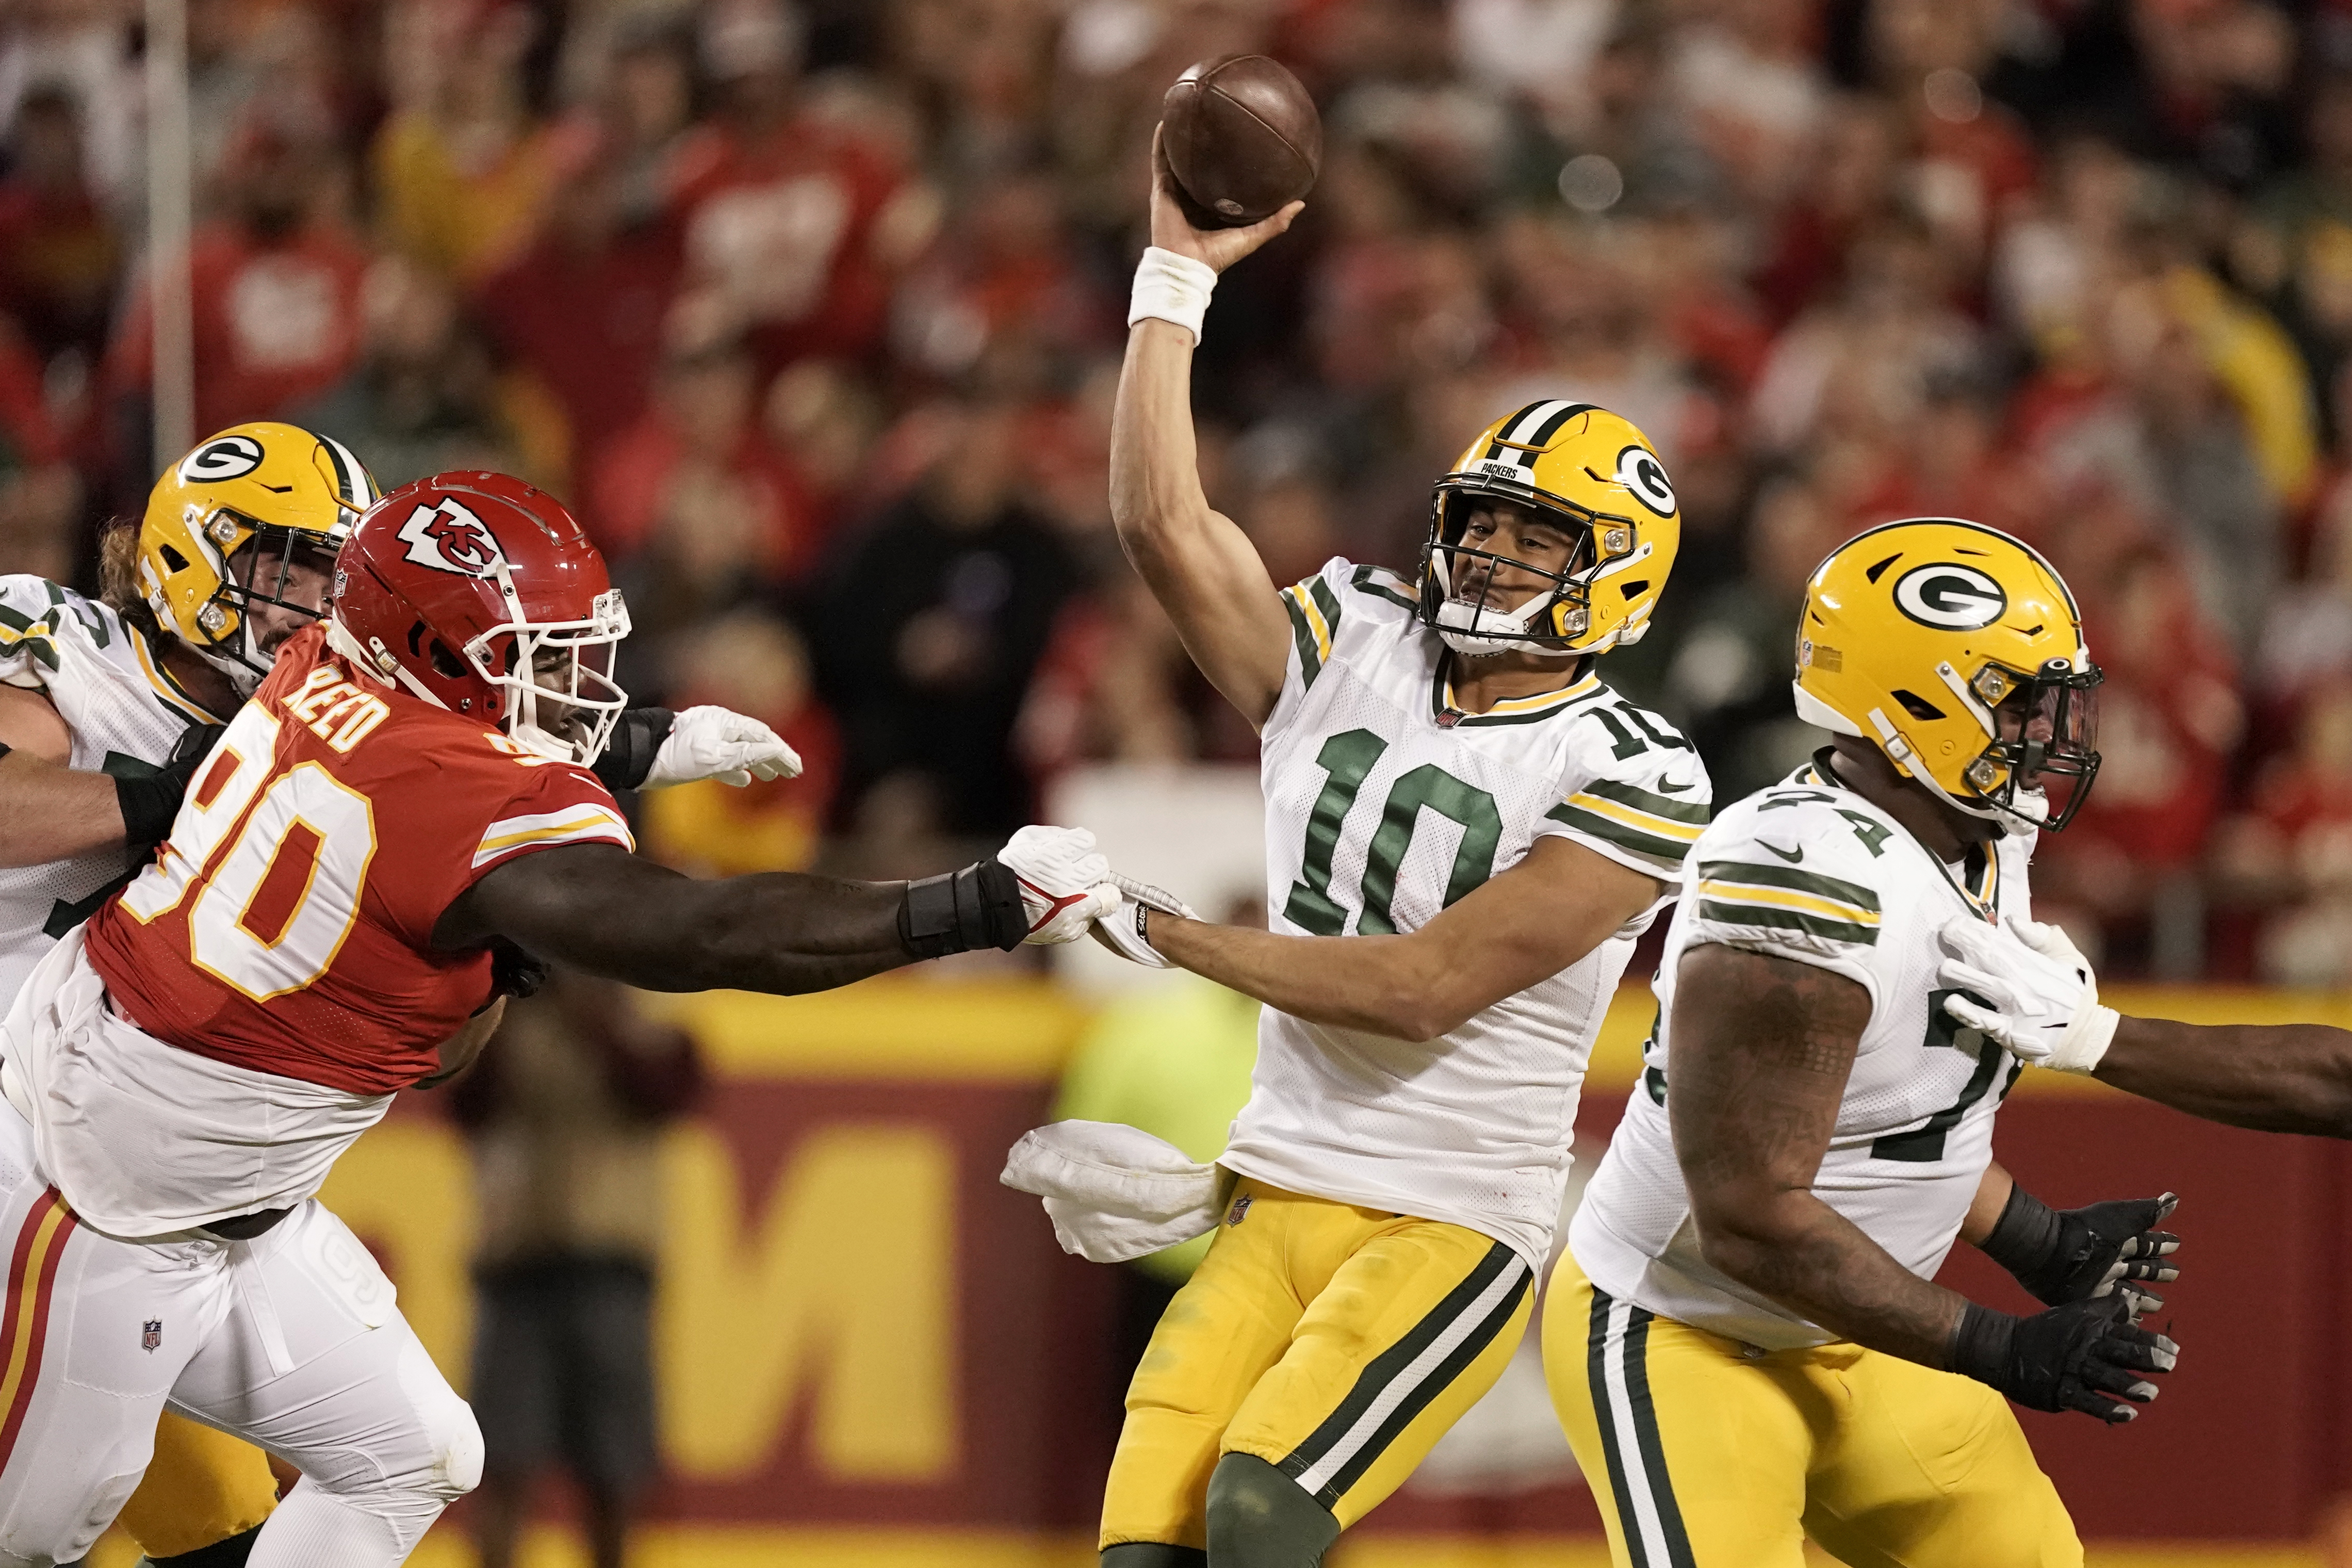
column 1958, row 652
column 1585, row 471
column 252, row 491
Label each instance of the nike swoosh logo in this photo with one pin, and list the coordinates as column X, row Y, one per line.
column 1790, row 856
column 1666, row 788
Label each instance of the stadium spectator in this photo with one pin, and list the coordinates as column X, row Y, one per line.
column 931, row 622
column 578, row 316
column 783, row 212
column 61, row 252
column 276, row 284
column 466, row 165
column 422, row 399
column 696, row 508
column 565, row 1113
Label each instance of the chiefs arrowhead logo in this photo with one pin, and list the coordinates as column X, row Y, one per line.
column 448, row 538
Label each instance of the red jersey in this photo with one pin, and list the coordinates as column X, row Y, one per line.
column 286, row 926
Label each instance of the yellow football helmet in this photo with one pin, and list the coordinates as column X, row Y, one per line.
column 247, row 494
column 1958, row 652
column 1592, row 475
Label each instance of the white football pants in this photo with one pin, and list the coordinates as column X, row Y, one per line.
column 290, row 1340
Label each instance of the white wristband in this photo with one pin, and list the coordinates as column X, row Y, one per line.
column 2088, row 1040
column 1171, row 288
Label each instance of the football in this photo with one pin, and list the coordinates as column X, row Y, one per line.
column 1241, row 138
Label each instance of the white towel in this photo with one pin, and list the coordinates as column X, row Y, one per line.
column 1113, row 1191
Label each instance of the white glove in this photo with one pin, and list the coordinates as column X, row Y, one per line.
column 1065, row 886
column 1113, row 1191
column 2045, row 1000
column 714, row 743
column 1122, row 930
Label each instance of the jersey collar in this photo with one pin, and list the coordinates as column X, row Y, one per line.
column 166, row 685
column 1511, row 710
column 1981, row 892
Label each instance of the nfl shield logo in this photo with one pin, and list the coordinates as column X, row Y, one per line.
column 1241, row 1210
column 151, row 1335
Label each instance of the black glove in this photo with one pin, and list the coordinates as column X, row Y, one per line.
column 2085, row 1356
column 2072, row 1255
column 628, row 755
column 979, row 906
column 150, row 802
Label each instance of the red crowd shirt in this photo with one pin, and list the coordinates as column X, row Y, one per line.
column 286, row 926
column 787, row 221
column 274, row 324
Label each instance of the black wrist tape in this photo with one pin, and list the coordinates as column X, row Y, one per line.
column 148, row 805
column 629, row 750
column 1983, row 1346
column 979, row 906
column 2025, row 1239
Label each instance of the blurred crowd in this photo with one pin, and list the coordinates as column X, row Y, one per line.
column 814, row 309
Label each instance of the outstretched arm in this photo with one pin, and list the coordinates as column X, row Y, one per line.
column 52, row 812
column 1535, row 920
column 598, row 907
column 2272, row 1078
column 1199, row 564
column 2027, row 986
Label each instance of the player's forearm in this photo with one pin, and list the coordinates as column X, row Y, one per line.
column 782, row 933
column 50, row 812
column 1155, row 480
column 1380, row 985
column 601, row 910
column 2283, row 1078
column 1797, row 1251
column 1993, row 1189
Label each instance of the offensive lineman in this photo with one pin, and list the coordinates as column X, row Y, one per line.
column 231, row 557
column 1466, row 831
column 181, row 1072
column 1744, row 1337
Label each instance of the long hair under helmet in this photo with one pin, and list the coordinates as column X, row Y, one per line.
column 253, row 494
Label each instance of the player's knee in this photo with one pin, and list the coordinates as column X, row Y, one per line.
column 1260, row 1517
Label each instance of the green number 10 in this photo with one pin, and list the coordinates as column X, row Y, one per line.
column 1347, row 758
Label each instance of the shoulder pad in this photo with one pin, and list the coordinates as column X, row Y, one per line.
column 1635, row 785
column 1333, row 609
column 1797, row 860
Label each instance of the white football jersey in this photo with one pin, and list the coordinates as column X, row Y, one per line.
column 1385, row 804
column 1809, row 870
column 125, row 713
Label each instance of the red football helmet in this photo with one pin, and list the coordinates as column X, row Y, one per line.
column 481, row 594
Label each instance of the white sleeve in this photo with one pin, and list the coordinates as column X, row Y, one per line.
column 1339, row 611
column 1790, row 876
column 1635, row 791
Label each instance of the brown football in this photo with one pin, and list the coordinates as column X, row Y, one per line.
column 1242, row 140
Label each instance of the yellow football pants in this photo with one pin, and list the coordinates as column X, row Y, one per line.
column 1703, row 1453
column 202, row 1486
column 1336, row 1344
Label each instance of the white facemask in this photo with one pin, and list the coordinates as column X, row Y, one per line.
column 1498, row 631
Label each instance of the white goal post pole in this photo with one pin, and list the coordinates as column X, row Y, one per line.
column 169, row 218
